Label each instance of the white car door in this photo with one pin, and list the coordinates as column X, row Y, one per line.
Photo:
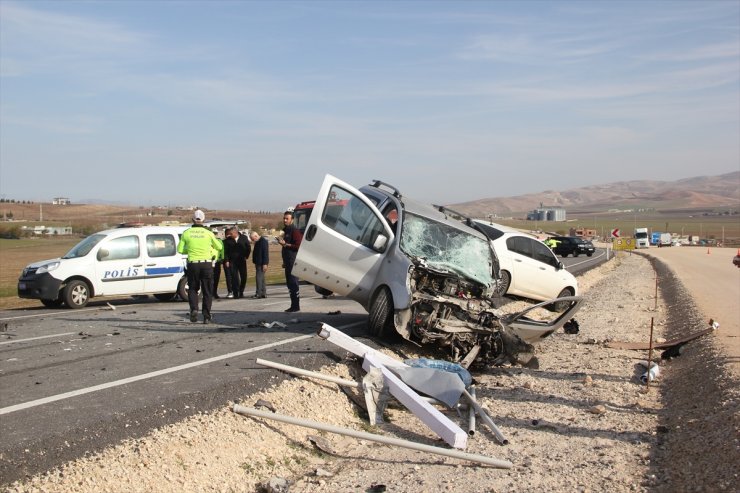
column 535, row 275
column 345, row 241
column 119, row 266
column 164, row 266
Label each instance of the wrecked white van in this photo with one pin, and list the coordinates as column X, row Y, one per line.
column 122, row 261
column 417, row 271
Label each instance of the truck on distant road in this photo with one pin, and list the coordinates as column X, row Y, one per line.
column 641, row 238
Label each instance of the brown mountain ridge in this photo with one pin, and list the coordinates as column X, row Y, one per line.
column 701, row 192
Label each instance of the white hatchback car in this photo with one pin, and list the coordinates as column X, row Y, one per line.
column 528, row 267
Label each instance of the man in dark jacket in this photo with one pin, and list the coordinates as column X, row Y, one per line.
column 236, row 253
column 290, row 242
column 260, row 258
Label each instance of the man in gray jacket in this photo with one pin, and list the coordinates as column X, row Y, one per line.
column 260, row 258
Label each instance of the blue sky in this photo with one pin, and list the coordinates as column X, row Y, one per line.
column 248, row 104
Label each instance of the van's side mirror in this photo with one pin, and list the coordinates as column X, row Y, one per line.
column 103, row 253
column 380, row 243
column 560, row 266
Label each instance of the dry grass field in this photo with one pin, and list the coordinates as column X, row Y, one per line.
column 16, row 254
column 95, row 217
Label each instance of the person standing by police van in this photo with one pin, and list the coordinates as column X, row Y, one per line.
column 199, row 244
column 290, row 242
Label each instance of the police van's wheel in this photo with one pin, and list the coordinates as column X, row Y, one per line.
column 380, row 313
column 182, row 289
column 52, row 303
column 76, row 294
column 165, row 296
column 503, row 285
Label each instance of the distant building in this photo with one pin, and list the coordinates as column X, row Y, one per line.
column 61, row 201
column 585, row 233
column 50, row 231
column 546, row 213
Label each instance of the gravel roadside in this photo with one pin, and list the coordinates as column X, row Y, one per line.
column 582, row 421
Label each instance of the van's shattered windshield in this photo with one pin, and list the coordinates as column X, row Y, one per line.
column 83, row 248
column 446, row 248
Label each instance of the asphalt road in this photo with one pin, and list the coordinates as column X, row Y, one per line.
column 582, row 263
column 75, row 381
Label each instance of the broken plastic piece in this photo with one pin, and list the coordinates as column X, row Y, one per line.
column 443, row 365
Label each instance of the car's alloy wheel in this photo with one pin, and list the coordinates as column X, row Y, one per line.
column 503, row 284
column 561, row 306
column 76, row 294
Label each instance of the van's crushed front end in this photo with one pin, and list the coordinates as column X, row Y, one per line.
column 452, row 299
column 459, row 317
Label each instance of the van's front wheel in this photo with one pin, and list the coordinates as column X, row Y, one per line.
column 76, row 294
column 380, row 313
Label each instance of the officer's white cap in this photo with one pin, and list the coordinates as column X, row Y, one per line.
column 199, row 216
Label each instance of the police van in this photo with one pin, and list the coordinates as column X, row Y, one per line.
column 116, row 262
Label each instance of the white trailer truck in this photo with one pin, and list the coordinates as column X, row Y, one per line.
column 641, row 238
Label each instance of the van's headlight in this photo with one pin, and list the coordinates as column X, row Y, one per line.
column 47, row 267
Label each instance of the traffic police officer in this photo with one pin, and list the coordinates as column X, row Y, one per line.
column 199, row 243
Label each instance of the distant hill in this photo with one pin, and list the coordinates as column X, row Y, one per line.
column 701, row 192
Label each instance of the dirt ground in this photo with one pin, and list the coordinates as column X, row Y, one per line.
column 580, row 422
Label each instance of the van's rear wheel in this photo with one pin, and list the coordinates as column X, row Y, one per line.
column 380, row 313
column 76, row 294
column 182, row 289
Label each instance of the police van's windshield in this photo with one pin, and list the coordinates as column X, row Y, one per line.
column 83, row 248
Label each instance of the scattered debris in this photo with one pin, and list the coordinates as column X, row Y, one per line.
column 321, row 444
column 447, row 366
column 276, row 485
column 266, row 404
column 571, row 326
column 272, row 325
column 323, row 473
column 598, row 409
column 651, row 374
column 588, row 381
column 546, row 425
column 673, row 351
column 111, row 306
column 665, row 344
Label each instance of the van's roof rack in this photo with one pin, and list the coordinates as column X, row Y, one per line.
column 378, row 183
column 446, row 210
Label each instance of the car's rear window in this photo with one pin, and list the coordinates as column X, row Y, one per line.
column 490, row 231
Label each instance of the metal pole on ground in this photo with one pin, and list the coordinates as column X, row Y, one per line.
column 499, row 463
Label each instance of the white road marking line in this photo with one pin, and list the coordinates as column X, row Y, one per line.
column 124, row 381
column 51, row 314
column 36, row 338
